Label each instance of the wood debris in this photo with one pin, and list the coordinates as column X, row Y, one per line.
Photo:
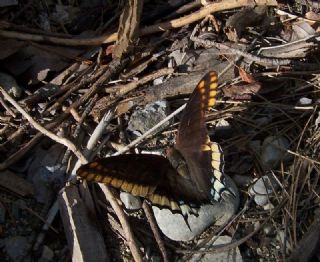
column 84, row 68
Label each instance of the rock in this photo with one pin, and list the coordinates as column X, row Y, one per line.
column 273, row 151
column 158, row 81
column 16, row 247
column 181, row 60
column 262, row 121
column 142, row 120
column 262, row 189
column 10, row 85
column 242, row 181
column 317, row 121
column 268, row 206
column 47, row 254
column 261, row 200
column 255, row 145
column 262, row 186
column 17, row 208
column 175, row 227
column 305, row 101
column 2, row 214
column 232, row 255
column 269, row 230
column 46, row 173
column 130, row 202
column 223, row 129
column 8, row 3
column 283, row 240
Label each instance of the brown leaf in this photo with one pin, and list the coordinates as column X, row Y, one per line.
column 109, row 50
column 312, row 16
column 249, row 16
column 246, row 77
column 241, row 92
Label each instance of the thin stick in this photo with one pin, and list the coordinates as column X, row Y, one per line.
column 97, row 133
column 60, row 140
column 136, row 253
column 150, row 131
column 155, row 230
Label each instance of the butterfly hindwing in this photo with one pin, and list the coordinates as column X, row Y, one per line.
column 145, row 175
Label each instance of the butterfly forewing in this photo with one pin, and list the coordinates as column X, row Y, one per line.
column 193, row 141
column 192, row 132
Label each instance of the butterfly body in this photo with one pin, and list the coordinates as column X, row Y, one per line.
column 190, row 176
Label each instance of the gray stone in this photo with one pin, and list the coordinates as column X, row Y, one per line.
column 46, row 173
column 262, row 189
column 130, row 202
column 17, row 208
column 158, row 81
column 223, row 129
column 232, row 255
column 242, row 181
column 317, row 121
column 142, row 120
column 47, row 254
column 175, row 227
column 305, row 101
column 273, row 151
column 16, row 247
column 262, row 121
column 2, row 214
column 255, row 145
column 5, row 3
column 178, row 56
column 262, row 186
column 269, row 230
column 10, row 85
column 268, row 206
column 283, row 240
column 261, row 200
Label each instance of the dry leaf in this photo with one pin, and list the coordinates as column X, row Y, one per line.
column 312, row 16
column 246, row 77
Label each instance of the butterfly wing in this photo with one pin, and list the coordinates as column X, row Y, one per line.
column 203, row 158
column 145, row 175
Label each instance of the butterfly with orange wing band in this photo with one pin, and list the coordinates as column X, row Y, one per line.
column 189, row 176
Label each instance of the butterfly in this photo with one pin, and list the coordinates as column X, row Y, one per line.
column 190, row 175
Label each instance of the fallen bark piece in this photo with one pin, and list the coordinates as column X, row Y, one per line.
column 84, row 238
column 16, row 184
column 128, row 27
column 237, row 23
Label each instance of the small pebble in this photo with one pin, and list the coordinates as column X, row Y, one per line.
column 273, row 151
column 143, row 120
column 10, row 85
column 16, row 247
column 232, row 255
column 130, row 202
column 47, row 254
column 174, row 226
column 305, row 101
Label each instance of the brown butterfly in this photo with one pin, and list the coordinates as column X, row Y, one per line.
column 190, row 175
